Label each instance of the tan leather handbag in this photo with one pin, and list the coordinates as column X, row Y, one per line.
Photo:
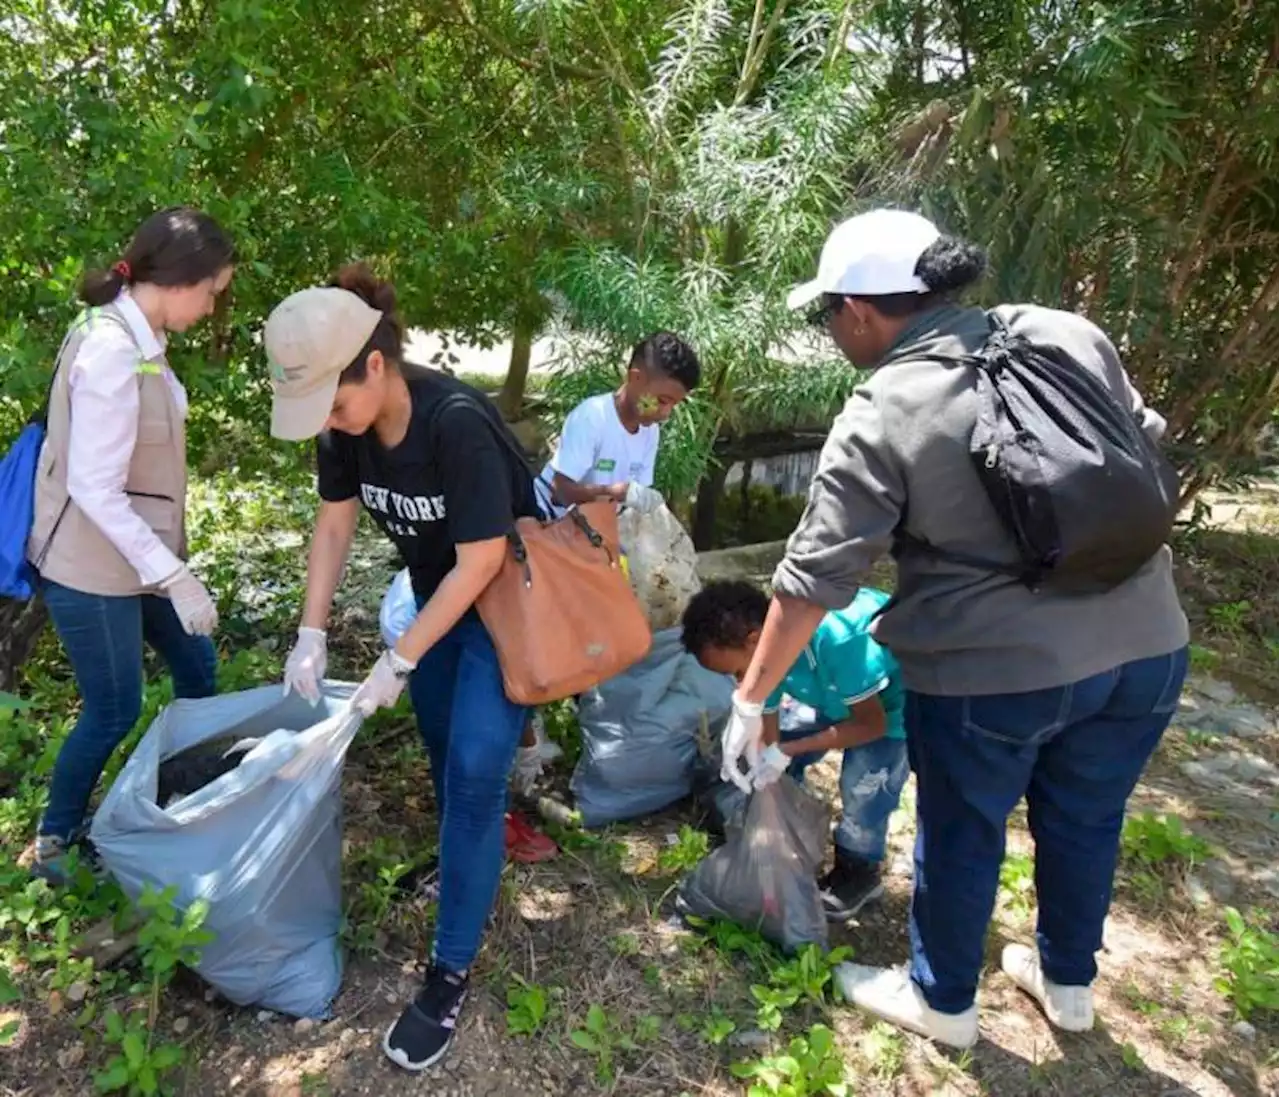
column 561, row 612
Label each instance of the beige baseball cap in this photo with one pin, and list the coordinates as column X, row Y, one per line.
column 310, row 338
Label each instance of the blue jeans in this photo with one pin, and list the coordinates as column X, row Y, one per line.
column 103, row 639
column 1075, row 752
column 871, row 780
column 471, row 732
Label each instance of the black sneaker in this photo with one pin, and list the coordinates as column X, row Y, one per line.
column 849, row 886
column 421, row 883
column 426, row 1027
column 57, row 864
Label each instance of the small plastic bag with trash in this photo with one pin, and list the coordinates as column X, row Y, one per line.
column 235, row 800
column 764, row 877
column 398, row 610
column 661, row 559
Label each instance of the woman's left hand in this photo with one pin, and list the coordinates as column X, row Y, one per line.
column 384, row 685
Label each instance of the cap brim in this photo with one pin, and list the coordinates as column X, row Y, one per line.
column 804, row 294
column 297, row 418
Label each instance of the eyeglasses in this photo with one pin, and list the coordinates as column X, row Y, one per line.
column 821, row 316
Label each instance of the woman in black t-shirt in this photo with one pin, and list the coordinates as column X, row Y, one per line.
column 441, row 483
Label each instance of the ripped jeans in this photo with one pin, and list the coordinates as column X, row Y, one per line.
column 871, row 780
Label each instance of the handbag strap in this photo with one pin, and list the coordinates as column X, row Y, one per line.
column 463, row 400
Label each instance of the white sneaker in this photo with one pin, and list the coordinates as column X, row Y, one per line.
column 889, row 994
column 1068, row 1008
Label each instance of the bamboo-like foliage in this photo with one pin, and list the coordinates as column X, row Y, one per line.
column 1116, row 160
column 750, row 133
column 1120, row 160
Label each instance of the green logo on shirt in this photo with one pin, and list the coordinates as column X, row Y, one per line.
column 606, row 464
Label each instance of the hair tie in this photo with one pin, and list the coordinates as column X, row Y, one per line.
column 123, row 269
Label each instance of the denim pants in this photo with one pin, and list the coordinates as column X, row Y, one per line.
column 1075, row 752
column 103, row 639
column 471, row 732
column 871, row 780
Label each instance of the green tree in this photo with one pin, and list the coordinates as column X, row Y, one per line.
column 1120, row 161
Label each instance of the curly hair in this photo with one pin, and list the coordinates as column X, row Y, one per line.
column 723, row 615
column 666, row 353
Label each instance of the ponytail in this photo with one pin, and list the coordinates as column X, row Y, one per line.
column 101, row 287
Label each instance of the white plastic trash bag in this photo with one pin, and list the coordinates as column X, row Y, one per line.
column 661, row 560
column 398, row 610
column 262, row 844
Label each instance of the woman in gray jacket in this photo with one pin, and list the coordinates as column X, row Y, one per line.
column 1013, row 691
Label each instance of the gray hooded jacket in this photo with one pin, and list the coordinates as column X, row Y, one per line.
column 897, row 456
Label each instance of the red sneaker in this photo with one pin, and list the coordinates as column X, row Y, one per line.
column 527, row 844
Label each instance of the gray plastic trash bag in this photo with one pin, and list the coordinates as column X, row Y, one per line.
column 262, row 843
column 640, row 733
column 764, row 876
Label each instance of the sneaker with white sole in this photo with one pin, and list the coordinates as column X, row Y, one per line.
column 426, row 1028
column 1068, row 1008
column 59, row 861
column 422, row 883
column 851, row 884
column 889, row 993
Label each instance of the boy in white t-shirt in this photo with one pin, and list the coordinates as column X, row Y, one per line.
column 610, row 441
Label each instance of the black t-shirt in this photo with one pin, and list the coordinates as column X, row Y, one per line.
column 449, row 482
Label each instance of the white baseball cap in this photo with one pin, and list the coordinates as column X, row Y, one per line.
column 870, row 255
column 311, row 337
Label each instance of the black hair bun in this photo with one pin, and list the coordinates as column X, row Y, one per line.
column 357, row 278
column 949, row 264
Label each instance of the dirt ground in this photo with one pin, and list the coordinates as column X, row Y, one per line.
column 594, row 928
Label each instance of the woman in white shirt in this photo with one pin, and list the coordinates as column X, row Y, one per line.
column 109, row 534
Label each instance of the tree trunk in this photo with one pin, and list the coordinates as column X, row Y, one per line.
column 704, row 509
column 744, row 501
column 21, row 624
column 919, row 40
column 511, row 399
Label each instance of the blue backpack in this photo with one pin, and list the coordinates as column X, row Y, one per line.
column 17, row 510
column 18, row 576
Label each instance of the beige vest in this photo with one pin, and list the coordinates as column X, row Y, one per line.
column 65, row 545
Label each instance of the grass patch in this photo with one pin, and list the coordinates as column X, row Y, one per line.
column 1228, row 581
column 1250, row 969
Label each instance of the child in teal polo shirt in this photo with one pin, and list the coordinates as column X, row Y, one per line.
column 843, row 693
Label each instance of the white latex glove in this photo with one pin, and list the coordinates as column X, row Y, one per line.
column 770, row 766
column 384, row 685
column 741, row 736
column 305, row 667
column 643, row 499
column 191, row 602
